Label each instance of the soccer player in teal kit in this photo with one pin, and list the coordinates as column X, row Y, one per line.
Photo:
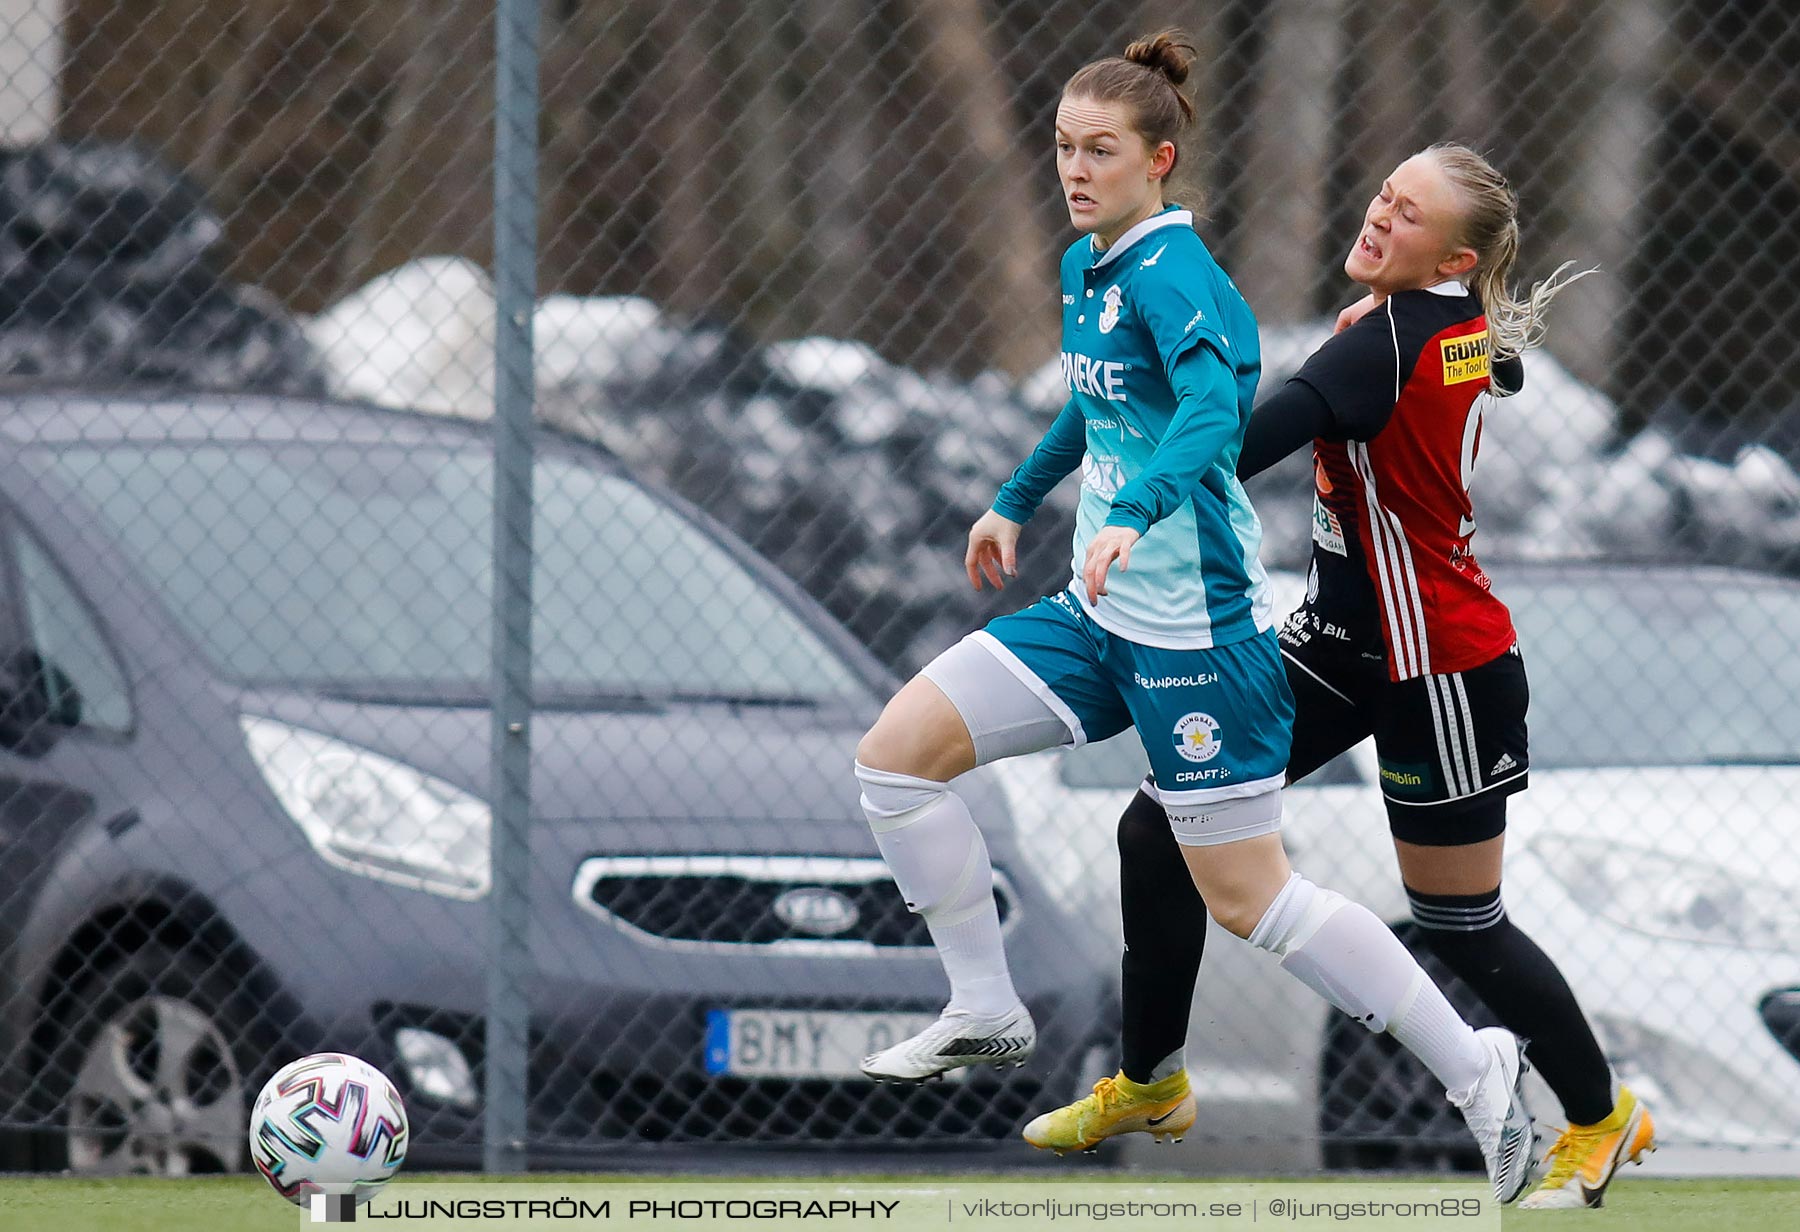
column 1168, row 626
column 1402, row 638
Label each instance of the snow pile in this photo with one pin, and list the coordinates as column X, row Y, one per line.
column 110, row 271
column 860, row 478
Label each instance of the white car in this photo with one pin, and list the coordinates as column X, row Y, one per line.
column 1655, row 857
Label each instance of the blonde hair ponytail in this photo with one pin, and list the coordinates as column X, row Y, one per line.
column 1491, row 228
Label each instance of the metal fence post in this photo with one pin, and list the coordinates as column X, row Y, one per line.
column 515, row 288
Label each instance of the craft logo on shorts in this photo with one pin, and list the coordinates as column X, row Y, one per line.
column 1109, row 314
column 1465, row 358
column 1197, row 737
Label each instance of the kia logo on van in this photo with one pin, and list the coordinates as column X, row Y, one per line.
column 817, row 910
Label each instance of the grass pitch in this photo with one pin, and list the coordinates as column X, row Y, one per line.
column 245, row 1204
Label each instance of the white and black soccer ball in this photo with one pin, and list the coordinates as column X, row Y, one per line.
column 328, row 1123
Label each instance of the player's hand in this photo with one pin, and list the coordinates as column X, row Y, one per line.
column 1112, row 543
column 993, row 550
column 1354, row 313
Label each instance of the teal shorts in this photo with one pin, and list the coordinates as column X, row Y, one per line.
column 1216, row 723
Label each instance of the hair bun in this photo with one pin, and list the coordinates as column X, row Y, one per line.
column 1169, row 53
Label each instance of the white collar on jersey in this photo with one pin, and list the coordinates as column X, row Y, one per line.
column 1156, row 222
column 1452, row 287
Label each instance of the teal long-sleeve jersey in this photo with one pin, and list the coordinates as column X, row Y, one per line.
column 1161, row 358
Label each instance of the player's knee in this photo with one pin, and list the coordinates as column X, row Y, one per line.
column 1240, row 881
column 890, row 742
column 1294, row 916
column 919, row 733
column 892, row 800
column 1237, row 916
column 876, row 750
column 896, row 747
column 1241, row 907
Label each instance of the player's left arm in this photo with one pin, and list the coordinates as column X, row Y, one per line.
column 1174, row 305
column 1205, row 425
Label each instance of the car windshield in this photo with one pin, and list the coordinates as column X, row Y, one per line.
column 1658, row 668
column 368, row 570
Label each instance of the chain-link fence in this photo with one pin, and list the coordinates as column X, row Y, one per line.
column 797, row 324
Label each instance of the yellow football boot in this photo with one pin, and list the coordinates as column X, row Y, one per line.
column 1118, row 1105
column 1585, row 1158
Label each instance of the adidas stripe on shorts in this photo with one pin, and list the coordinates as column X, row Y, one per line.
column 1445, row 744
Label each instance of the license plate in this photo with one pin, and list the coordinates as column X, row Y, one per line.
column 803, row 1043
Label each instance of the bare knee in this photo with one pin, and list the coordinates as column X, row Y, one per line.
column 875, row 749
column 888, row 746
column 919, row 733
column 1239, row 913
column 1239, row 880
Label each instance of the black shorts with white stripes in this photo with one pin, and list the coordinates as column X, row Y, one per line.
column 1445, row 743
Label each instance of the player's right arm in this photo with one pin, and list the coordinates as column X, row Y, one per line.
column 1059, row 453
column 1346, row 390
column 993, row 551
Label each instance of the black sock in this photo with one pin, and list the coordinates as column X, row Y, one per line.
column 1165, row 932
column 1526, row 992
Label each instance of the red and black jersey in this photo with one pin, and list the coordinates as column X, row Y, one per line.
column 1393, row 573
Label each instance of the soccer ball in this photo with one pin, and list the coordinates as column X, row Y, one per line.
column 328, row 1123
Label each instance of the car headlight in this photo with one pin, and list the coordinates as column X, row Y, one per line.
column 372, row 815
column 1669, row 896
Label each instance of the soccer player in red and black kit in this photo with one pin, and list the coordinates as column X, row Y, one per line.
column 1400, row 638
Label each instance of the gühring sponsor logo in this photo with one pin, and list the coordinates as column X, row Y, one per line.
column 1465, row 358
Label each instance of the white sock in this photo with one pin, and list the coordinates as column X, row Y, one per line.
column 1432, row 1030
column 940, row 862
column 1343, row 952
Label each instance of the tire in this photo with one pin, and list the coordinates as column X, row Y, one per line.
column 1380, row 1109
column 156, row 1068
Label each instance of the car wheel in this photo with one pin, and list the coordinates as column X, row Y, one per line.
column 155, row 1069
column 1379, row 1108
